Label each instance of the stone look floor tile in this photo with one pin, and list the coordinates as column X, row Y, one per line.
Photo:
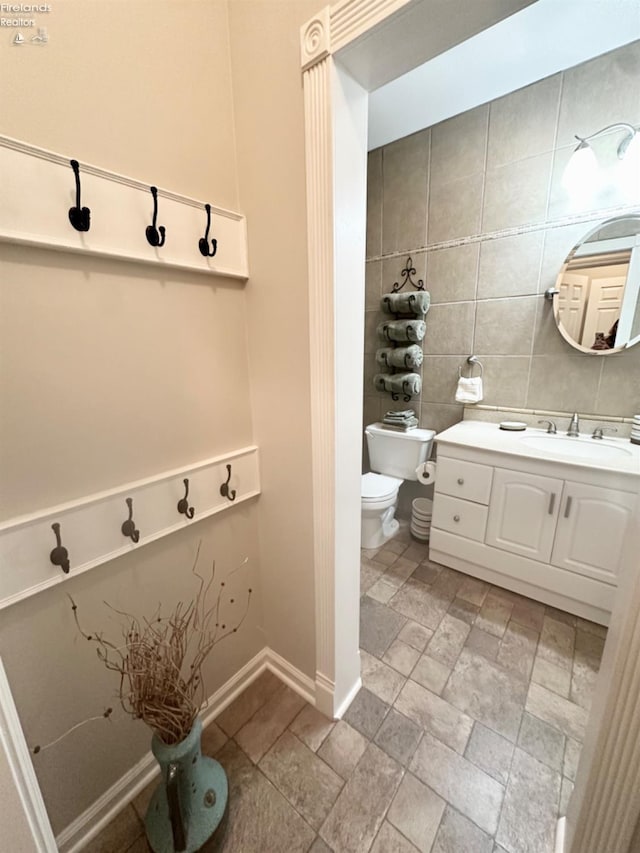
column 398, row 573
column 542, row 741
column 484, row 644
column 474, row 591
column 448, row 640
column 416, row 811
column 461, row 609
column 416, row 601
column 556, row 643
column 561, row 616
column 343, row 749
column 518, row 650
column 366, row 713
column 138, row 846
column 141, row 801
column 244, row 707
column 528, row 819
column 213, row 739
column 389, row 840
column 398, row 736
column 426, row 573
column 418, row 552
column 591, row 627
column 490, row 752
column 568, row 718
column 379, row 626
column 401, row 657
column 457, row 834
column 384, row 557
column 267, row 724
column 354, row 820
column 379, row 678
column 309, row 784
column 565, row 795
column 259, row 818
column 319, row 846
column 435, row 715
column 369, row 574
column 415, row 635
column 382, row 591
column 311, row 727
column 396, row 546
column 118, row 835
column 555, row 678
column 460, row 783
column 431, row 674
column 571, row 757
column 528, row 613
column 487, row 693
column 494, row 614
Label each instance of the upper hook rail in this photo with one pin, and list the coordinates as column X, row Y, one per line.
column 128, row 527
column 155, row 236
column 59, row 556
column 407, row 274
column 203, row 243
column 79, row 217
column 225, row 491
column 183, row 503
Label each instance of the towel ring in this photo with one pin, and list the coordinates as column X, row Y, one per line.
column 472, row 360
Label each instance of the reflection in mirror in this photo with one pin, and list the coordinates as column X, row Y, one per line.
column 597, row 298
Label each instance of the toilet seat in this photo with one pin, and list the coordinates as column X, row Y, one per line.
column 377, row 487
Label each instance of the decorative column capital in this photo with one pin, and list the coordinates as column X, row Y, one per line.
column 315, row 39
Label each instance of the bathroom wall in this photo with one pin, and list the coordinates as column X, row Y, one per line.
column 477, row 203
column 111, row 371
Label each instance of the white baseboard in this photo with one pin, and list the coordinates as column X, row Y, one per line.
column 560, row 830
column 351, row 695
column 87, row 825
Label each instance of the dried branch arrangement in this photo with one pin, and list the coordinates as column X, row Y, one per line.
column 161, row 658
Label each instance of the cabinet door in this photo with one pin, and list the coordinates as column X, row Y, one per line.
column 591, row 530
column 522, row 513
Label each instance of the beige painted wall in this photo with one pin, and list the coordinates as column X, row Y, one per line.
column 110, row 371
column 496, row 167
column 270, row 131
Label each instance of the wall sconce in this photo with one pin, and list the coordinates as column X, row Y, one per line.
column 582, row 174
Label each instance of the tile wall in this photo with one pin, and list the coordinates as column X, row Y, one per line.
column 494, row 169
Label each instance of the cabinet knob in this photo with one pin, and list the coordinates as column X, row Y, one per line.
column 456, row 518
column 460, row 481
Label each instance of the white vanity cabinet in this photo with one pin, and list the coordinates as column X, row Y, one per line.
column 549, row 529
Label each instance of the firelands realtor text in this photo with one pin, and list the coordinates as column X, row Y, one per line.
column 21, row 8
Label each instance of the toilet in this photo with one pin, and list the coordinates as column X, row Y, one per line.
column 394, row 457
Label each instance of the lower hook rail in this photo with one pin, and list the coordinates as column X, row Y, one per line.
column 59, row 556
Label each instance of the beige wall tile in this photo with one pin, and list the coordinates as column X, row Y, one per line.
column 439, row 416
column 505, row 380
column 458, row 146
column 619, row 392
column 510, row 266
column 600, row 92
column 547, row 338
column 371, row 410
column 452, row 273
column 558, row 243
column 372, row 320
column 372, row 285
column 516, row 194
column 405, row 171
column 505, row 326
column 512, row 133
column 564, row 382
column 440, row 378
column 392, row 270
column 455, row 208
column 449, row 329
column 374, row 203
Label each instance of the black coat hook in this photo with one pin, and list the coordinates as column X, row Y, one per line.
column 79, row 217
column 183, row 503
column 155, row 238
column 128, row 527
column 203, row 243
column 225, row 491
column 59, row 556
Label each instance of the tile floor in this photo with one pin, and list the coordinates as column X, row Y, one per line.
column 464, row 738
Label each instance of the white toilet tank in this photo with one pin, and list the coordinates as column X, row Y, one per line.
column 395, row 453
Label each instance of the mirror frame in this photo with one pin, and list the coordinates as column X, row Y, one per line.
column 630, row 293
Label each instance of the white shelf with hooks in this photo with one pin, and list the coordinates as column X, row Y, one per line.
column 39, row 189
column 91, row 527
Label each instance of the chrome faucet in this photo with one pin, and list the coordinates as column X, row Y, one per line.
column 574, row 426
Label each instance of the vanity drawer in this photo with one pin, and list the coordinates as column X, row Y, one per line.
column 466, row 480
column 461, row 517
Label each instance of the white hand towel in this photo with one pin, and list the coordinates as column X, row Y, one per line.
column 469, row 390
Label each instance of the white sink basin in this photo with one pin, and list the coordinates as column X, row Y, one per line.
column 575, row 448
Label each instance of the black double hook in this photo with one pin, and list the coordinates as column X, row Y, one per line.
column 128, row 527
column 183, row 503
column 155, row 236
column 225, row 491
column 203, row 242
column 59, row 556
column 79, row 217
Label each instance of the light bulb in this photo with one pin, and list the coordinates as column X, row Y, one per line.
column 581, row 172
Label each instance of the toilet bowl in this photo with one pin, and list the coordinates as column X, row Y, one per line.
column 379, row 498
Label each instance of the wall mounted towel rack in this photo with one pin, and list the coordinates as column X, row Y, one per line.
column 472, row 360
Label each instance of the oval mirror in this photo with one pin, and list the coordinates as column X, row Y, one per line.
column 596, row 300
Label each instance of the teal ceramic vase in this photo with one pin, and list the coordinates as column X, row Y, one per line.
column 191, row 798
